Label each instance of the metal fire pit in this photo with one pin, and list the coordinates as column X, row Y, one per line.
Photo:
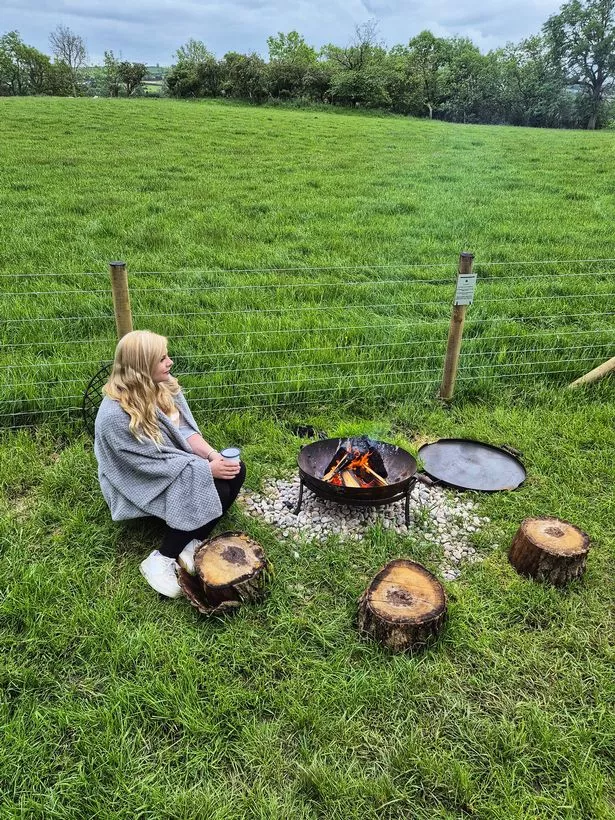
column 314, row 458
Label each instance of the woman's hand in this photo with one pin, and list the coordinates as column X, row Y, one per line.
column 221, row 468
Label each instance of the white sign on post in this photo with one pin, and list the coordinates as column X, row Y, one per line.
column 466, row 283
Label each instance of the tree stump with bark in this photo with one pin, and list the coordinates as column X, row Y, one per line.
column 403, row 608
column 232, row 570
column 551, row 550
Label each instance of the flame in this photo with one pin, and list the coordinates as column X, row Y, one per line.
column 359, row 460
column 356, row 467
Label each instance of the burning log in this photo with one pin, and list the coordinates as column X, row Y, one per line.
column 364, row 448
column 231, row 570
column 349, row 480
column 337, row 464
column 382, row 482
column 403, row 608
column 360, row 457
column 551, row 550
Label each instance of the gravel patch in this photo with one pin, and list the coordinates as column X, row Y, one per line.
column 443, row 518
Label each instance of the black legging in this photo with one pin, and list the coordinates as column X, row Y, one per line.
column 174, row 541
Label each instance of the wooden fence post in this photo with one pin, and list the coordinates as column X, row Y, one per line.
column 464, row 294
column 121, row 298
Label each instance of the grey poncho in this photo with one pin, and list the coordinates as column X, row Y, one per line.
column 140, row 479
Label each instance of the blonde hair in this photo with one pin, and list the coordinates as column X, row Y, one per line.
column 131, row 384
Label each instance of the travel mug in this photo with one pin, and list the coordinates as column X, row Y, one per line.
column 231, row 454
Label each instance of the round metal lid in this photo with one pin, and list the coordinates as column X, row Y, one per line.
column 471, row 465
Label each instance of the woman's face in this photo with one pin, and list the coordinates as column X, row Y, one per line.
column 163, row 369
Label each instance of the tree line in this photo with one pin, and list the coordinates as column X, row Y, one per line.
column 562, row 77
column 26, row 71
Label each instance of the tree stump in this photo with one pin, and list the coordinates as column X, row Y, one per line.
column 548, row 549
column 404, row 607
column 193, row 589
column 231, row 570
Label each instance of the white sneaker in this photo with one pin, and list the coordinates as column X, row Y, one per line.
column 159, row 572
column 186, row 556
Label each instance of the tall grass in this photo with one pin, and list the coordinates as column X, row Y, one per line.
column 118, row 704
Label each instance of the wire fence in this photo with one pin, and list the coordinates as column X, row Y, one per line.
column 308, row 337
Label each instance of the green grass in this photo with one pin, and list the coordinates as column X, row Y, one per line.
column 176, row 189
column 118, row 704
column 152, row 87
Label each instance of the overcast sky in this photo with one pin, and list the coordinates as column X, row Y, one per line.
column 150, row 31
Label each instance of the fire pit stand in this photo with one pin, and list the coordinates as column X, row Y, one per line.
column 356, row 502
column 400, row 469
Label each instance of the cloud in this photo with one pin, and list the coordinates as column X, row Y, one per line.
column 152, row 30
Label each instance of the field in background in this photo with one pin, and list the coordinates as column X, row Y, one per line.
column 152, row 86
column 118, row 704
column 361, row 220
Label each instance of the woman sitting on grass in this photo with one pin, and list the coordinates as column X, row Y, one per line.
column 153, row 461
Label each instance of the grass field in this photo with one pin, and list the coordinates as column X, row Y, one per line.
column 118, row 704
column 178, row 189
column 152, row 87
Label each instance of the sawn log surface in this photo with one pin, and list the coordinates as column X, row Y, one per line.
column 404, row 606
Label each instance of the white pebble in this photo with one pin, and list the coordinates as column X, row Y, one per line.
column 441, row 519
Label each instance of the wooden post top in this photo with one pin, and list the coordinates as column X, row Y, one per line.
column 465, row 262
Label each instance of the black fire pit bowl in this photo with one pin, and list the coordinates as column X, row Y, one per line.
column 314, row 459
